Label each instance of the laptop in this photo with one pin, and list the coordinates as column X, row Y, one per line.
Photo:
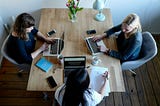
column 93, row 46
column 72, row 63
column 56, row 48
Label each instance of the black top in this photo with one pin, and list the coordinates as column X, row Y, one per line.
column 20, row 50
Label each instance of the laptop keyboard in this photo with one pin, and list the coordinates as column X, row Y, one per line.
column 93, row 45
column 54, row 47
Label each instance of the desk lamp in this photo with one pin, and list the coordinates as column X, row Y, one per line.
column 99, row 5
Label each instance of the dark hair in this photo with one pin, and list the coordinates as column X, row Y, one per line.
column 22, row 22
column 77, row 82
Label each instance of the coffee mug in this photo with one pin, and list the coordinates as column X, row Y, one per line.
column 95, row 60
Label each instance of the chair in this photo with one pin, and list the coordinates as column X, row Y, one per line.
column 148, row 51
column 4, row 52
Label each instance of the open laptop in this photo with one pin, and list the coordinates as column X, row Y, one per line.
column 56, row 48
column 72, row 63
column 93, row 46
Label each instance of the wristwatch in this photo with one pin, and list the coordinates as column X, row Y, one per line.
column 107, row 51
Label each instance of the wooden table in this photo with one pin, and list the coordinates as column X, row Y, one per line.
column 74, row 45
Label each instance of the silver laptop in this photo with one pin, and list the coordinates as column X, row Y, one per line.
column 93, row 46
column 56, row 48
column 72, row 63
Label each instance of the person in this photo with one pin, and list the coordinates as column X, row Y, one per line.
column 76, row 91
column 21, row 42
column 129, row 39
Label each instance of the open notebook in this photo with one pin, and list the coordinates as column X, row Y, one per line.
column 93, row 46
column 97, row 81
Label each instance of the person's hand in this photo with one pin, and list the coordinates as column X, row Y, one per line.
column 103, row 48
column 98, row 37
column 105, row 75
column 50, row 40
column 44, row 47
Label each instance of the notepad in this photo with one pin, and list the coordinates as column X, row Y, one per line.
column 96, row 79
column 44, row 64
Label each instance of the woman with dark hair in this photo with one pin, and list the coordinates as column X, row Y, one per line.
column 21, row 42
column 75, row 91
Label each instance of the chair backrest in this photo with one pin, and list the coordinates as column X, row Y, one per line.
column 5, row 52
column 3, row 35
column 148, row 51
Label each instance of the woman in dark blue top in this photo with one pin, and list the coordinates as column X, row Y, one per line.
column 21, row 43
column 129, row 39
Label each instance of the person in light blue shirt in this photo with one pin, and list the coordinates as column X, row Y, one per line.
column 129, row 39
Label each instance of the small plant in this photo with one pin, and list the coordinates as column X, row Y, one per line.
column 73, row 7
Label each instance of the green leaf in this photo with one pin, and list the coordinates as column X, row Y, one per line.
column 79, row 9
column 69, row 14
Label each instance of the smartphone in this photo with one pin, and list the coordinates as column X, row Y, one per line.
column 52, row 83
column 91, row 32
column 51, row 32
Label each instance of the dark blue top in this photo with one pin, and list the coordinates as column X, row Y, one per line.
column 128, row 49
column 20, row 50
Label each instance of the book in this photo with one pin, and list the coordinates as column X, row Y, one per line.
column 44, row 64
column 97, row 81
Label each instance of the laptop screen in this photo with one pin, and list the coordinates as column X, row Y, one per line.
column 74, row 62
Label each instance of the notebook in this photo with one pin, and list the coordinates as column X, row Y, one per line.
column 97, row 81
column 54, row 49
column 93, row 46
column 72, row 63
column 44, row 64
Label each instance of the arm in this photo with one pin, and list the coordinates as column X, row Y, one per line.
column 102, row 90
column 44, row 38
column 107, row 33
column 39, row 50
column 113, row 30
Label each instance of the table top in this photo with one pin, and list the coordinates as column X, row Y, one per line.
column 74, row 45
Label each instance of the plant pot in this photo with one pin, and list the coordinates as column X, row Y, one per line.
column 73, row 17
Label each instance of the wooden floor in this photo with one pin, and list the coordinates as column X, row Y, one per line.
column 142, row 90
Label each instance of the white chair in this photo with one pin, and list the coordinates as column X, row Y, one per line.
column 4, row 52
column 148, row 51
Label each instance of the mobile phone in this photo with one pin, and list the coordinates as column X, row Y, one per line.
column 52, row 83
column 91, row 31
column 51, row 32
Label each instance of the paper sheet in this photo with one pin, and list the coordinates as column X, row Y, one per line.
column 96, row 79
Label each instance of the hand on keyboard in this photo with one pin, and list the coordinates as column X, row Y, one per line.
column 103, row 48
column 50, row 40
column 44, row 47
column 99, row 37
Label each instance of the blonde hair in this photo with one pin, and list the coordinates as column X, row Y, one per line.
column 133, row 21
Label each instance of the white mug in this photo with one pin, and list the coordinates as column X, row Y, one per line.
column 95, row 60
